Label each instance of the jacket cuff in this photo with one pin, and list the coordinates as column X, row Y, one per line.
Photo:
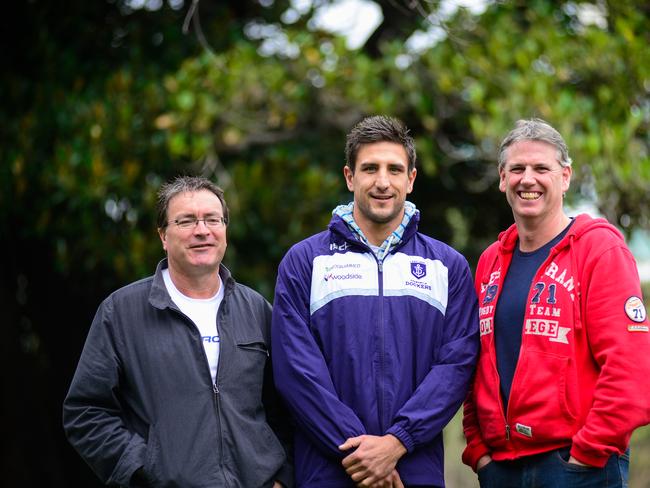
column 285, row 476
column 473, row 453
column 403, row 436
column 591, row 457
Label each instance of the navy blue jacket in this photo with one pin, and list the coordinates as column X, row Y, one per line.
column 363, row 347
column 143, row 396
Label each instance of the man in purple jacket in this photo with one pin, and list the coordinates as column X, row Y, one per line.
column 375, row 329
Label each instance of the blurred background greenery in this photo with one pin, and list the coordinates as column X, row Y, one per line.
column 102, row 101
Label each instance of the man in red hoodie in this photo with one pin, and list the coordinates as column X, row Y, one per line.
column 562, row 379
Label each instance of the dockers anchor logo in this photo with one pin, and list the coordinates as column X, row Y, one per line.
column 548, row 328
column 418, row 269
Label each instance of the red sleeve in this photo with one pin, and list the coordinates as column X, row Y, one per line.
column 475, row 448
column 617, row 330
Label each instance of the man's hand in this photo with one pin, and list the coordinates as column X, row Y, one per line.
column 484, row 461
column 393, row 480
column 373, row 460
column 573, row 460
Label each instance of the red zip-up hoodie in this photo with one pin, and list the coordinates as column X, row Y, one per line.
column 583, row 374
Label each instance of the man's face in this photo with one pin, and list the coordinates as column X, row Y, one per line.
column 380, row 183
column 533, row 180
column 199, row 249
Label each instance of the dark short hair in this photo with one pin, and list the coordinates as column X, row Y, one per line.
column 378, row 128
column 182, row 184
column 535, row 130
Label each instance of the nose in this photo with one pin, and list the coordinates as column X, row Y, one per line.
column 382, row 180
column 201, row 227
column 528, row 176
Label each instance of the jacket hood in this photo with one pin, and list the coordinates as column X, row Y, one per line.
column 582, row 225
column 340, row 229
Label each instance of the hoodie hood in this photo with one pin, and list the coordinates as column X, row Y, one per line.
column 582, row 224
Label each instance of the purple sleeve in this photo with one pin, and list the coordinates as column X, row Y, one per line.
column 300, row 370
column 439, row 396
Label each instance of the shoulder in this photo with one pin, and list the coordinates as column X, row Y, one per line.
column 592, row 235
column 133, row 291
column 302, row 254
column 432, row 248
column 315, row 244
column 249, row 294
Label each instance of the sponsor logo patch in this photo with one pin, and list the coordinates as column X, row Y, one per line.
column 418, row 269
column 338, row 247
column 348, row 276
column 524, row 430
column 635, row 309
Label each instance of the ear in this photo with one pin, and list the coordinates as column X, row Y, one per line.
column 412, row 175
column 502, row 180
column 567, row 171
column 162, row 233
column 349, row 176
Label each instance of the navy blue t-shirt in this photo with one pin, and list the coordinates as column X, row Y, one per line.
column 511, row 307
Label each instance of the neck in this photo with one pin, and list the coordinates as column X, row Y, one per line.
column 204, row 285
column 375, row 232
column 376, row 236
column 533, row 234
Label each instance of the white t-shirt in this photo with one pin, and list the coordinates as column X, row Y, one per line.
column 203, row 312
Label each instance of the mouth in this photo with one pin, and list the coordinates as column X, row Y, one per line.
column 529, row 195
column 201, row 247
column 381, row 197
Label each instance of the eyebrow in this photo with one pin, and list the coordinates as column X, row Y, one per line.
column 190, row 214
column 391, row 164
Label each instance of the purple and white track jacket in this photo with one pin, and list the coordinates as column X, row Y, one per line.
column 368, row 347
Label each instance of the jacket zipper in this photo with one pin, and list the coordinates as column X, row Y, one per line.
column 380, row 269
column 215, row 389
column 504, row 414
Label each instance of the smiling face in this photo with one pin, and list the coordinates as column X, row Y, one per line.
column 534, row 181
column 198, row 250
column 380, row 182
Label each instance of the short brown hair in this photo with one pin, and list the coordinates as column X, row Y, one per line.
column 379, row 128
column 182, row 184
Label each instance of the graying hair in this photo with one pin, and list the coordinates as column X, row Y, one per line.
column 182, row 184
column 535, row 130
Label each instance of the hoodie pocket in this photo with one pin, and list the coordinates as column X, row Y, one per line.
column 488, row 403
column 539, row 408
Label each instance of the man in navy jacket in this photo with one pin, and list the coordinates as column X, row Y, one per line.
column 174, row 385
column 375, row 329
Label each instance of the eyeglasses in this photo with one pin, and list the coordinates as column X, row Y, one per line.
column 191, row 222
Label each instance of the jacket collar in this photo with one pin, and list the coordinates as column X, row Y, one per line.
column 342, row 234
column 159, row 296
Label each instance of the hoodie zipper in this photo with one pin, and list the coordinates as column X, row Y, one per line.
column 552, row 253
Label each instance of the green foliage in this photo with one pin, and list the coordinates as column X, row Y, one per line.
column 591, row 82
column 270, row 130
column 102, row 104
